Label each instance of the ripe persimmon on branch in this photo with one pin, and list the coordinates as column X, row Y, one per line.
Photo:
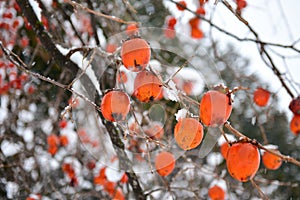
column 247, row 139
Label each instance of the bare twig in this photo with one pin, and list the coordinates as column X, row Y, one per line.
column 235, row 13
column 113, row 18
column 23, row 67
column 129, row 6
column 261, row 193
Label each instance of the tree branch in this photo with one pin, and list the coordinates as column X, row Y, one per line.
column 46, row 40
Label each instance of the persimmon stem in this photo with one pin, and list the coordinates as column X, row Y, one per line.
column 259, row 145
column 224, row 135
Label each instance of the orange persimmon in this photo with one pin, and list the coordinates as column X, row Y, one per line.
column 101, row 179
column 216, row 193
column 164, row 163
column 261, row 97
column 171, row 21
column 295, row 124
column 188, row 133
column 200, row 11
column 63, row 140
column 118, row 195
column 242, row 161
column 215, row 108
column 135, row 54
column 115, row 105
column 111, row 48
column 132, row 29
column 147, row 87
column 271, row 161
column 52, row 140
column 188, row 87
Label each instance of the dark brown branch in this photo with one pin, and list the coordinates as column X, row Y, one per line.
column 46, row 40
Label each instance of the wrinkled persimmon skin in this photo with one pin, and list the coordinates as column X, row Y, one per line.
column 115, row 106
column 164, row 163
column 216, row 193
column 188, row 133
column 295, row 124
column 243, row 161
column 261, row 97
column 271, row 161
column 215, row 108
column 147, row 87
column 135, row 54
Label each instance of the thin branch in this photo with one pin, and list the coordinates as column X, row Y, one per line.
column 129, row 6
column 113, row 18
column 235, row 13
column 261, row 193
column 16, row 60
